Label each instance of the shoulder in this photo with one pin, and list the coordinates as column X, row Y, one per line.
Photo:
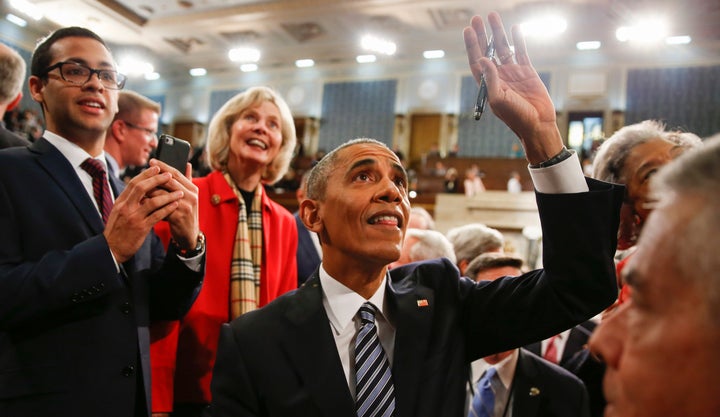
column 550, row 372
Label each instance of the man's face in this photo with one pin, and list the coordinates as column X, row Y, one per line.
column 661, row 348
column 363, row 217
column 139, row 138
column 77, row 112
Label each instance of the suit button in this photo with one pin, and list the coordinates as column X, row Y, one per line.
column 125, row 308
column 128, row 371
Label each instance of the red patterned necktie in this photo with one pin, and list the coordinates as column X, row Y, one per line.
column 101, row 188
column 551, row 353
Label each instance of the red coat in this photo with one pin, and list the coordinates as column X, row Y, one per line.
column 182, row 352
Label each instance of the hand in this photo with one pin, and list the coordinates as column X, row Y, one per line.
column 136, row 210
column 184, row 220
column 516, row 93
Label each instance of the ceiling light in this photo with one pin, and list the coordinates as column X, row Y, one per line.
column 244, row 55
column 434, row 54
column 365, row 59
column 16, row 20
column 645, row 31
column 678, row 40
column 382, row 46
column 588, row 45
column 134, row 66
column 248, row 67
column 27, row 8
column 198, row 72
column 544, row 27
column 304, row 63
column 151, row 76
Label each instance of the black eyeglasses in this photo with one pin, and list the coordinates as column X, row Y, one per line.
column 150, row 132
column 80, row 74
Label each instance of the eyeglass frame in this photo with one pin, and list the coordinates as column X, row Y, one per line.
column 150, row 132
column 119, row 85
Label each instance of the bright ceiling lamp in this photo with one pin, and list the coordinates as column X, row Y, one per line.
column 644, row 31
column 244, row 55
column 544, row 26
column 27, row 8
column 381, row 46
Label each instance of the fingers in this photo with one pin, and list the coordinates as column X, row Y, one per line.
column 502, row 45
column 182, row 181
column 520, row 48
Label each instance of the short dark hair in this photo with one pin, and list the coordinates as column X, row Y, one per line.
column 318, row 176
column 42, row 58
column 492, row 260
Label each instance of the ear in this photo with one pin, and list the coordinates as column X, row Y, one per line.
column 462, row 266
column 310, row 216
column 15, row 101
column 117, row 130
column 35, row 85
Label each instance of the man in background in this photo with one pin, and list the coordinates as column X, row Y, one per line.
column 12, row 76
column 132, row 135
column 472, row 240
column 517, row 382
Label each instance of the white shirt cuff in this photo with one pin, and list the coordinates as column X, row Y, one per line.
column 565, row 177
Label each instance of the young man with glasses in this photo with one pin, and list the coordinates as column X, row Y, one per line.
column 78, row 285
column 132, row 135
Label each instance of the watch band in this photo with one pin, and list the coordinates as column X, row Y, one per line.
column 561, row 156
column 191, row 253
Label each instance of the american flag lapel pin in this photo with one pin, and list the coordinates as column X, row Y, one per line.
column 422, row 302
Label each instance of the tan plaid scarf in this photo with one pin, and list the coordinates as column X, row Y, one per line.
column 247, row 254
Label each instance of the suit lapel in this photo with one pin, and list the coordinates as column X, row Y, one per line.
column 411, row 312
column 525, row 389
column 312, row 349
column 60, row 170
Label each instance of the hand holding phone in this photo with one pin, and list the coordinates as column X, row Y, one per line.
column 174, row 152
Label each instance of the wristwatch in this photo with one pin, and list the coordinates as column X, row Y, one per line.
column 561, row 156
column 191, row 253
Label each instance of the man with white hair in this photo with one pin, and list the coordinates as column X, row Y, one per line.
column 472, row 240
column 12, row 76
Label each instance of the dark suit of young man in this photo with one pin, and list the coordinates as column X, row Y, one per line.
column 577, row 339
column 442, row 322
column 73, row 330
column 542, row 389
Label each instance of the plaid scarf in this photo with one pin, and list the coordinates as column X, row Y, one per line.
column 247, row 254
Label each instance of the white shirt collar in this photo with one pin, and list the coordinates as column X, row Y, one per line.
column 72, row 152
column 342, row 304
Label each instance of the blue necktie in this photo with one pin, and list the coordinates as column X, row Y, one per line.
column 374, row 387
column 483, row 403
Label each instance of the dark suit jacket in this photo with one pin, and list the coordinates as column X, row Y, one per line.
column 9, row 139
column 543, row 389
column 577, row 339
column 74, row 335
column 308, row 258
column 282, row 360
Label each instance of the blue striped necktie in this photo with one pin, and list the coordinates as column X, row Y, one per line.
column 374, row 387
column 483, row 403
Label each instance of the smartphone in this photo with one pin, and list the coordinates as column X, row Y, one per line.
column 174, row 152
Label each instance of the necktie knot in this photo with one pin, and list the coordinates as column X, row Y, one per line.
column 483, row 402
column 367, row 314
column 93, row 167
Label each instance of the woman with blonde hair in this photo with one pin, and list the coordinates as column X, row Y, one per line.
column 251, row 244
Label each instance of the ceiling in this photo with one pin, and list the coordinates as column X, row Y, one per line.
column 178, row 35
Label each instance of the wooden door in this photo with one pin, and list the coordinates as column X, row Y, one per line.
column 424, row 133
